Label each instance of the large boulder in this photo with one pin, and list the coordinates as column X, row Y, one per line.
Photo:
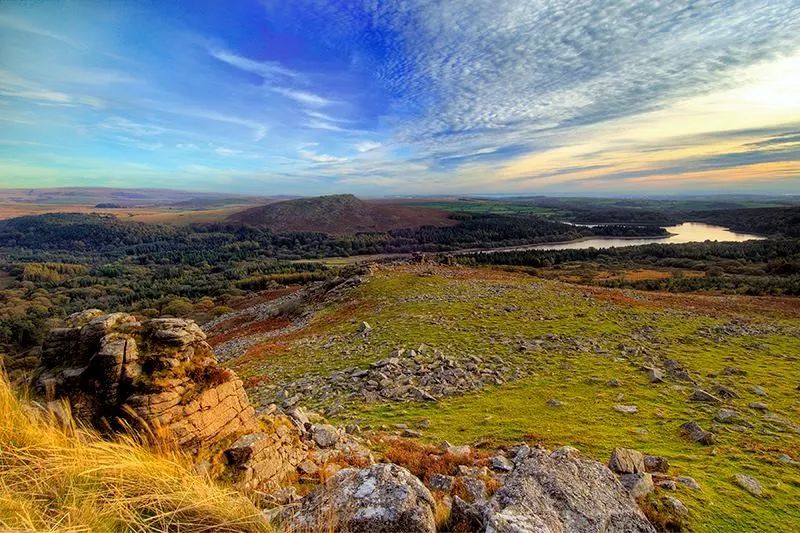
column 384, row 498
column 560, row 492
column 160, row 374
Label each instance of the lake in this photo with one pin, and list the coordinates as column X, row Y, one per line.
column 682, row 233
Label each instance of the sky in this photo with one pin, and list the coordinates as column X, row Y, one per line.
column 404, row 97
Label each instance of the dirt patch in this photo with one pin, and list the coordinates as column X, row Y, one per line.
column 246, row 328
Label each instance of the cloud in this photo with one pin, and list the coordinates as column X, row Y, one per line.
column 367, row 146
column 265, row 69
column 322, row 125
column 320, row 158
column 14, row 86
column 486, row 95
column 303, row 97
column 233, row 152
column 19, row 24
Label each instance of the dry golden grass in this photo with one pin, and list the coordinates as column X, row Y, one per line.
column 59, row 477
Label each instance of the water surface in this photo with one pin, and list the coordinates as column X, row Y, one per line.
column 682, row 233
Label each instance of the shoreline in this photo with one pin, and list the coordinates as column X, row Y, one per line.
column 353, row 259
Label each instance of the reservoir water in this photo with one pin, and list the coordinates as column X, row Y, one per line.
column 682, row 233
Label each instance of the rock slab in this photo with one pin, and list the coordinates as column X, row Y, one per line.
column 560, row 492
column 384, row 498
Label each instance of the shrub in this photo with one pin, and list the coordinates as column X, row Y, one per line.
column 178, row 307
column 221, row 310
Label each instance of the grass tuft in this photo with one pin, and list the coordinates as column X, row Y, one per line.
column 58, row 476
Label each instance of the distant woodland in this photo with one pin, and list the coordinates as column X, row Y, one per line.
column 55, row 264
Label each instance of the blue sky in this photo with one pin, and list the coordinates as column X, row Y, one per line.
column 416, row 97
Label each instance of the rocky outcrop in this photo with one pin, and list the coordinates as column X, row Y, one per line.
column 560, row 492
column 157, row 374
column 383, row 498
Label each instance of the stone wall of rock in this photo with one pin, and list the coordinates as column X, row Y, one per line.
column 158, row 374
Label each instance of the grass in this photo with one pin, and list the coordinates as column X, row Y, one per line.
column 57, row 477
column 486, row 312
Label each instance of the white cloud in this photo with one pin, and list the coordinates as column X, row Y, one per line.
column 322, row 125
column 14, row 86
column 265, row 69
column 367, row 146
column 303, row 97
column 320, row 158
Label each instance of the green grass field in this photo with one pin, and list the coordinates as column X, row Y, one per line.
column 485, row 312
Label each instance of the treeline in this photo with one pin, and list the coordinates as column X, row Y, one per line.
column 90, row 236
column 752, row 267
column 775, row 220
column 30, row 304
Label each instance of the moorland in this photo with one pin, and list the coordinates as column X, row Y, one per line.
column 591, row 348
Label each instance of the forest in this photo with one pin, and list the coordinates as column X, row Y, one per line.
column 102, row 236
column 55, row 264
column 752, row 267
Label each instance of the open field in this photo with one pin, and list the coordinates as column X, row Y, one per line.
column 143, row 205
column 164, row 215
column 569, row 343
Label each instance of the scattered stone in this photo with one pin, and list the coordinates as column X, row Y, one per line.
column 655, row 375
column 382, row 498
column 554, row 403
column 698, row 434
column 404, row 376
column 613, row 383
column 463, row 451
column 758, row 390
column 308, row 467
column 655, row 463
column 667, row 484
column 627, row 409
column 699, row 395
column 626, row 461
column 411, row 434
column 749, row 484
column 725, row 392
column 562, row 493
column 472, row 471
column 676, row 506
column 732, row 371
column 638, row 485
column 758, row 406
column 687, row 481
column 729, row 416
column 364, row 329
column 468, row 516
column 474, row 488
column 501, row 463
column 442, row 482
column 324, row 435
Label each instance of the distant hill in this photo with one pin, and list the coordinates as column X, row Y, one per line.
column 340, row 214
